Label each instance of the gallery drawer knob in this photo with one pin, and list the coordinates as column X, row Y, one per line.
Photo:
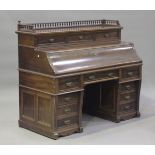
column 91, row 77
column 127, row 97
column 67, row 122
column 67, row 99
column 67, row 110
column 69, row 84
column 106, row 35
column 51, row 40
column 80, row 37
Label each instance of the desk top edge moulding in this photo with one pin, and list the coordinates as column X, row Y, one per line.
column 70, row 68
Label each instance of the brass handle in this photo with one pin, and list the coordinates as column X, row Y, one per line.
column 127, row 107
column 67, row 110
column 51, row 40
column 67, row 99
column 91, row 77
column 130, row 73
column 69, row 84
column 67, row 122
column 127, row 87
column 80, row 37
column 127, row 97
column 110, row 74
column 107, row 35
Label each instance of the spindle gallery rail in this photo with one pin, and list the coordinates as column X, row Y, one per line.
column 56, row 25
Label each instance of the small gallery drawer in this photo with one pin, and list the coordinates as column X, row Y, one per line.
column 67, row 109
column 127, row 97
column 78, row 37
column 107, row 35
column 70, row 98
column 128, row 87
column 69, row 83
column 131, row 72
column 67, row 121
column 50, row 39
column 100, row 75
column 127, row 107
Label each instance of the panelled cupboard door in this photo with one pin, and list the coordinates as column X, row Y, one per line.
column 27, row 105
column 37, row 108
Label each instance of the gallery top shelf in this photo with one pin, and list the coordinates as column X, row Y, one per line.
column 71, row 26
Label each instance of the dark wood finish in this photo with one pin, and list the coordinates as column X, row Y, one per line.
column 66, row 68
column 38, row 82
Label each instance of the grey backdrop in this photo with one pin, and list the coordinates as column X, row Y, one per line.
column 139, row 27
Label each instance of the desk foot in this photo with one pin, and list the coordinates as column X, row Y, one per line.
column 117, row 120
column 55, row 135
column 138, row 114
column 80, row 129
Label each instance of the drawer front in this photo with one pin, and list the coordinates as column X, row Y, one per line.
column 58, row 39
column 79, row 37
column 131, row 72
column 50, row 39
column 107, row 36
column 100, row 75
column 127, row 97
column 67, row 122
column 68, row 109
column 69, row 83
column 128, row 87
column 71, row 98
column 127, row 107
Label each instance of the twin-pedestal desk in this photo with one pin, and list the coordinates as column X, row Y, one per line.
column 70, row 68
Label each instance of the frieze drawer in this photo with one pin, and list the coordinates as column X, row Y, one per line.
column 130, row 73
column 67, row 109
column 69, row 83
column 70, row 98
column 127, row 97
column 69, row 121
column 100, row 75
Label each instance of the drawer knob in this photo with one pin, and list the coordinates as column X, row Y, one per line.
column 67, row 110
column 127, row 87
column 67, row 99
column 67, row 122
column 110, row 74
column 127, row 107
column 80, row 37
column 106, row 35
column 127, row 97
column 69, row 84
column 130, row 73
column 91, row 77
column 51, row 40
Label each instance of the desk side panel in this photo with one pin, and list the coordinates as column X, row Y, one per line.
column 34, row 61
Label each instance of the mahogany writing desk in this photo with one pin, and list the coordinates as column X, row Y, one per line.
column 67, row 68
